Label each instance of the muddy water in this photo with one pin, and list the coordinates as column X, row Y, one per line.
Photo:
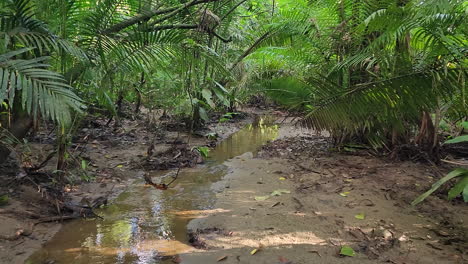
column 143, row 224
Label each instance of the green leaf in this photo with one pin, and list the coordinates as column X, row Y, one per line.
column 204, row 151
column 465, row 194
column 207, row 95
column 262, row 198
column 344, row 194
column 3, row 199
column 203, row 114
column 279, row 192
column 84, row 164
column 464, row 124
column 457, row 140
column 360, row 216
column 458, row 188
column 453, row 174
column 347, row 251
column 349, row 149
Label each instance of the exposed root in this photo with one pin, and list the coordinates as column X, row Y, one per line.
column 179, row 156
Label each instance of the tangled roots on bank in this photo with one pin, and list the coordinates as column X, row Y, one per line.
column 179, row 156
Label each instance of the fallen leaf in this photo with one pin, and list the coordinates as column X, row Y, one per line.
column 283, row 260
column 434, row 246
column 222, row 258
column 4, row 199
column 282, row 178
column 366, row 202
column 315, row 251
column 279, row 192
column 276, row 204
column 360, row 216
column 347, row 251
column 254, row 251
column 344, row 194
column 261, row 198
column 120, row 166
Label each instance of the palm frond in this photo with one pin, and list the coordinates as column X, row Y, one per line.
column 42, row 92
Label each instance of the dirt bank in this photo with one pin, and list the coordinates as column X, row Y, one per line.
column 325, row 201
column 115, row 158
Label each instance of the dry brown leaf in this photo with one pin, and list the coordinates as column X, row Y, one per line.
column 222, row 258
column 283, row 260
column 316, row 252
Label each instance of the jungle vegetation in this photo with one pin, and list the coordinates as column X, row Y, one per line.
column 388, row 74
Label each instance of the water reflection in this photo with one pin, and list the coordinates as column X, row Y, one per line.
column 143, row 224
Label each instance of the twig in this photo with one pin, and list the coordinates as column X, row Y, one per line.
column 40, row 166
column 55, row 218
column 175, row 178
column 454, row 162
column 299, row 203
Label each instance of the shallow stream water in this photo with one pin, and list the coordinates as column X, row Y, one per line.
column 144, row 224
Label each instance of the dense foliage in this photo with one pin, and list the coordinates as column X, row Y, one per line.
column 382, row 72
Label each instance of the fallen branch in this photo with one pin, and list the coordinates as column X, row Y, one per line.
column 454, row 162
column 250, row 49
column 148, row 15
column 56, row 218
column 42, row 165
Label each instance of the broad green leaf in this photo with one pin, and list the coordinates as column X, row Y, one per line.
column 208, row 95
column 465, row 194
column 204, row 151
column 457, row 140
column 458, row 188
column 453, row 174
column 203, row 114
column 464, row 125
column 221, row 97
column 347, row 251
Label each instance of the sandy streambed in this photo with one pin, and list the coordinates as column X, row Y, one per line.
column 314, row 215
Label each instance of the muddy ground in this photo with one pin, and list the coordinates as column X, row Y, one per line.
column 115, row 157
column 298, row 201
column 326, row 200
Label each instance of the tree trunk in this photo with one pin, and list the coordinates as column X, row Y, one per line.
column 427, row 138
column 138, row 93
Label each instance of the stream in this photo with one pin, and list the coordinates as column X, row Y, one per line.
column 143, row 225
